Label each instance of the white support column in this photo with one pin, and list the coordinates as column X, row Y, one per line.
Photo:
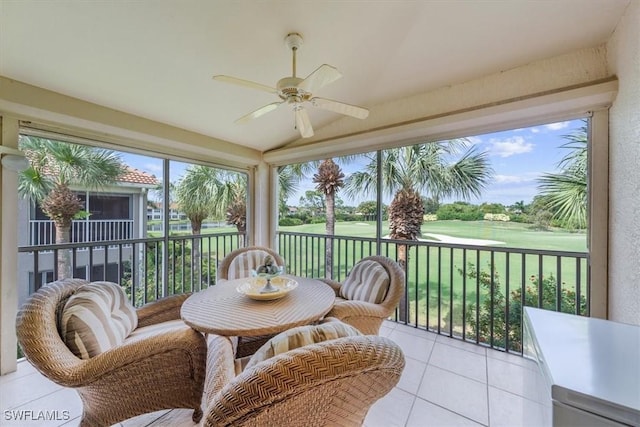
column 598, row 239
column 8, row 252
column 262, row 205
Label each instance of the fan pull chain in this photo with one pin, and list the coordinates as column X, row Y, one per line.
column 295, row 120
column 294, row 49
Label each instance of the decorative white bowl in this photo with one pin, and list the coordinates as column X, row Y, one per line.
column 253, row 288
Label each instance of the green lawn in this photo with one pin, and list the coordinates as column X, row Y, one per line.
column 434, row 275
column 514, row 235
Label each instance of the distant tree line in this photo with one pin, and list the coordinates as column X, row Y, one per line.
column 540, row 213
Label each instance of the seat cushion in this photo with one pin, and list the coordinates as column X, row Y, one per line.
column 97, row 317
column 242, row 264
column 299, row 337
column 155, row 329
column 368, row 281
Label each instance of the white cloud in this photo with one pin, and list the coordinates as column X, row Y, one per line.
column 509, row 179
column 510, row 146
column 557, row 126
column 535, row 130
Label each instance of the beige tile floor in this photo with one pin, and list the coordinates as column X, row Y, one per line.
column 446, row 382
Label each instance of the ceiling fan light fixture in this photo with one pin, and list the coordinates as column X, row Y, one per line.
column 296, row 91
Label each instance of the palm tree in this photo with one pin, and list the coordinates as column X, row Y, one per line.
column 329, row 179
column 196, row 193
column 54, row 167
column 436, row 170
column 208, row 192
column 205, row 192
column 289, row 176
column 519, row 207
column 233, row 200
column 567, row 190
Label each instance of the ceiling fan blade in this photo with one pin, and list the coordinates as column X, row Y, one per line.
column 322, row 76
column 245, row 83
column 303, row 123
column 259, row 112
column 341, row 107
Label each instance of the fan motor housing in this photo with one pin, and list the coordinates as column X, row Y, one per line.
column 288, row 88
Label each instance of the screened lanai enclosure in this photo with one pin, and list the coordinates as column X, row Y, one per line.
column 469, row 288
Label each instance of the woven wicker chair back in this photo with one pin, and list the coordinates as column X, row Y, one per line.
column 330, row 383
column 231, row 268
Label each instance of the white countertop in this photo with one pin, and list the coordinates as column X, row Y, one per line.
column 592, row 364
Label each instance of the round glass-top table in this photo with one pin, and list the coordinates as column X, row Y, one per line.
column 222, row 310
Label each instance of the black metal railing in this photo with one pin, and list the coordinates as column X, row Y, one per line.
column 137, row 264
column 475, row 293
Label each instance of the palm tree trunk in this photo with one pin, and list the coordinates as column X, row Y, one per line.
column 196, row 270
column 242, row 229
column 402, row 260
column 64, row 260
column 329, row 231
column 402, row 256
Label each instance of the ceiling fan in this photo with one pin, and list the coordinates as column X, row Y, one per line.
column 296, row 92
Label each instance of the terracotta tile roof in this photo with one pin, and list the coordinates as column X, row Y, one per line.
column 132, row 175
column 136, row 176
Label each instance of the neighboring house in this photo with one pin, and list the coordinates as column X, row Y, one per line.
column 156, row 213
column 116, row 212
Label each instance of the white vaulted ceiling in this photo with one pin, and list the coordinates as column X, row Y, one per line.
column 155, row 59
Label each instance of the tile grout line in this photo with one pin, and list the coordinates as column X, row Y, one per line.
column 415, row 395
column 449, row 410
column 486, row 367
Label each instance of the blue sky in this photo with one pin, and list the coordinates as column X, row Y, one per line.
column 518, row 157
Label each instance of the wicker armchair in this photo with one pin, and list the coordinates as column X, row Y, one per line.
column 366, row 316
column 238, row 264
column 329, row 383
column 159, row 368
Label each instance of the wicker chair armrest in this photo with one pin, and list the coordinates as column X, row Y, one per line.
column 334, row 285
column 221, row 365
column 351, row 308
column 186, row 342
column 162, row 310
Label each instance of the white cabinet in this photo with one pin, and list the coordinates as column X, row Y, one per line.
column 589, row 368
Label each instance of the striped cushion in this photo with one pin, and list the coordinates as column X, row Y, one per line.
column 242, row 265
column 368, row 281
column 96, row 318
column 301, row 336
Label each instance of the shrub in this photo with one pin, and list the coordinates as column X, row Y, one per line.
column 461, row 211
column 318, row 220
column 520, row 218
column 496, row 217
column 542, row 220
column 482, row 328
column 348, row 217
column 287, row 222
column 492, row 208
column 303, row 216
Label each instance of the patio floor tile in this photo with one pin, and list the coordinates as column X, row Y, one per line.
column 446, row 382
